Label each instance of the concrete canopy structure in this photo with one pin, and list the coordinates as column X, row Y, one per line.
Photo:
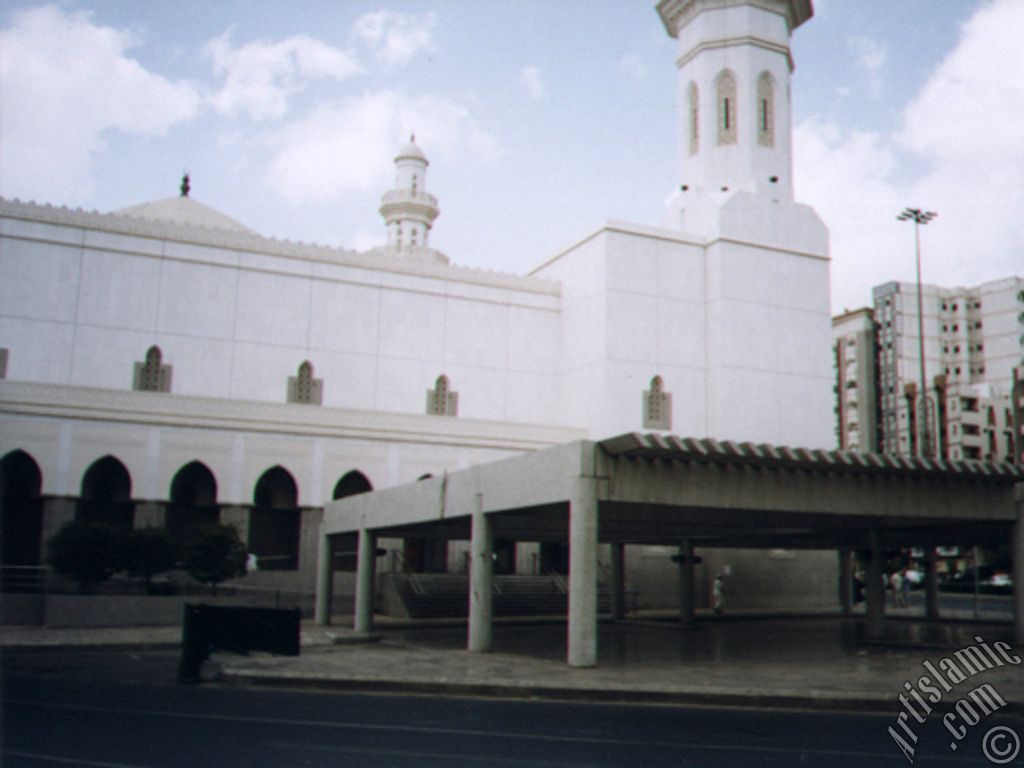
column 638, row 488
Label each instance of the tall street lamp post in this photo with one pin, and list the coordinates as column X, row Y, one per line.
column 919, row 217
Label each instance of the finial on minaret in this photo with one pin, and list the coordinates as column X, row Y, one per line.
column 185, row 186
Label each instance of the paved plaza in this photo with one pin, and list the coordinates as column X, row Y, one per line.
column 820, row 661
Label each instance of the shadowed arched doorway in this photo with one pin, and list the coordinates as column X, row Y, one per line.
column 21, row 521
column 345, row 546
column 193, row 502
column 106, row 496
column 275, row 521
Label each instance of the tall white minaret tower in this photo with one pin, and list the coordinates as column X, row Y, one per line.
column 408, row 210
column 734, row 69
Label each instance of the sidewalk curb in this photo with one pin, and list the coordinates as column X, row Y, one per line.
column 139, row 645
column 752, row 699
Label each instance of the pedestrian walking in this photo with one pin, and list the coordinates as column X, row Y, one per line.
column 718, row 594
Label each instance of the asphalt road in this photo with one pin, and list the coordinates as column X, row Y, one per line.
column 123, row 710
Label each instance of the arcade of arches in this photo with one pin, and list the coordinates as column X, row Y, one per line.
column 272, row 525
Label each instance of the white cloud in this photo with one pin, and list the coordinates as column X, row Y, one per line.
column 870, row 55
column 338, row 149
column 964, row 133
column 260, row 77
column 531, row 79
column 395, row 38
column 65, row 83
column 633, row 66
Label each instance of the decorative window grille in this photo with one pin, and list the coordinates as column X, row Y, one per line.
column 303, row 388
column 657, row 406
column 440, row 400
column 152, row 375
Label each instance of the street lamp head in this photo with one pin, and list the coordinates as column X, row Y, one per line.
column 916, row 215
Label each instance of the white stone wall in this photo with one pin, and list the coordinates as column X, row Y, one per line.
column 80, row 306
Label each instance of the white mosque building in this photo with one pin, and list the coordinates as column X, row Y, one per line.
column 164, row 364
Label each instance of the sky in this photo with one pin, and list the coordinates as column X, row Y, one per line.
column 541, row 121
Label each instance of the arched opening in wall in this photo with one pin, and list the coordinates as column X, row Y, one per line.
column 193, row 502
column 346, row 546
column 350, row 484
column 766, row 110
column 106, row 496
column 21, row 523
column 725, row 87
column 275, row 521
column 693, row 96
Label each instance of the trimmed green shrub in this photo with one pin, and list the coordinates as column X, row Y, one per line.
column 214, row 555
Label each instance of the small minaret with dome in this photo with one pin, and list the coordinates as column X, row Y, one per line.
column 408, row 209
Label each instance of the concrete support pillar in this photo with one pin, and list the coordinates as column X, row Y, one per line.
column 366, row 565
column 874, row 589
column 481, row 581
column 687, row 584
column 582, row 645
column 931, row 585
column 618, row 585
column 1018, row 569
column 845, row 581
column 324, row 578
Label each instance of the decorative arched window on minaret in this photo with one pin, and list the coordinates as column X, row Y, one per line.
column 694, row 114
column 765, row 110
column 725, row 86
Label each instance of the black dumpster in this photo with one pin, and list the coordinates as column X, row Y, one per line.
column 208, row 628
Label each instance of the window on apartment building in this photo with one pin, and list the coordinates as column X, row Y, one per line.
column 303, row 388
column 441, row 401
column 3, row 362
column 657, row 406
column 152, row 375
